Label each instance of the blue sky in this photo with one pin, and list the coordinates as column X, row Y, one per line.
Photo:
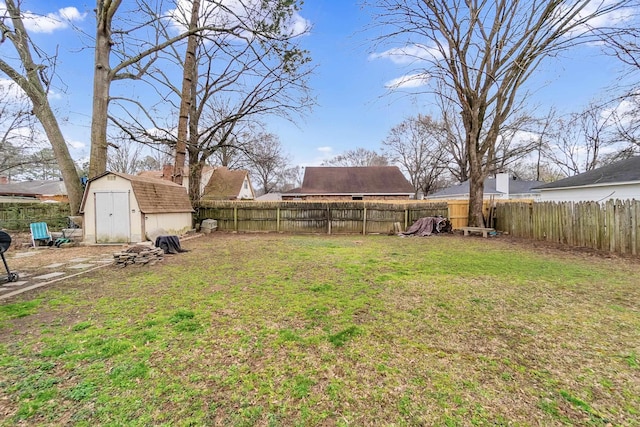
column 354, row 109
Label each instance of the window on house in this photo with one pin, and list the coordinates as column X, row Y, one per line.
column 356, row 198
column 246, row 185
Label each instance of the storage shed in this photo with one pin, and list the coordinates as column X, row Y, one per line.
column 122, row 208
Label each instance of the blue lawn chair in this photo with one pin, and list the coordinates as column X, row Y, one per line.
column 40, row 233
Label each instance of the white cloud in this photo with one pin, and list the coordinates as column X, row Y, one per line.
column 35, row 23
column 408, row 54
column 606, row 20
column 325, row 150
column 408, row 81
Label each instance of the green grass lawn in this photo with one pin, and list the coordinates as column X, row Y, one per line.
column 313, row 330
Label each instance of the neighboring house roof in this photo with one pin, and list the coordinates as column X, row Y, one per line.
column 624, row 171
column 225, row 184
column 167, row 171
column 34, row 188
column 516, row 187
column 153, row 195
column 354, row 180
column 269, row 197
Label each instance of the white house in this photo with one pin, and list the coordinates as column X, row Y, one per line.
column 121, row 208
column 619, row 180
column 501, row 187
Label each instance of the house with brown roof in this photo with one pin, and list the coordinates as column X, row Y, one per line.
column 227, row 184
column 352, row 183
column 34, row 191
column 122, row 208
column 167, row 174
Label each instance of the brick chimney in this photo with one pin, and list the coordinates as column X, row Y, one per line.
column 167, row 172
column 4, row 179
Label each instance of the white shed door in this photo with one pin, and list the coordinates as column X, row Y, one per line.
column 112, row 217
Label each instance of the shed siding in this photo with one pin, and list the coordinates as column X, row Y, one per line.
column 173, row 223
column 103, row 185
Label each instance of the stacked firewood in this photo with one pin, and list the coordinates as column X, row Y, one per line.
column 138, row 255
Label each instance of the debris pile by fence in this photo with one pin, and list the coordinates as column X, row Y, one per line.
column 138, row 255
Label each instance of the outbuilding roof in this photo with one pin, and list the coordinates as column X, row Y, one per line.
column 354, row 180
column 153, row 195
column 623, row 171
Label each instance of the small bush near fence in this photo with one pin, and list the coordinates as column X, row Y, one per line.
column 316, row 217
column 18, row 216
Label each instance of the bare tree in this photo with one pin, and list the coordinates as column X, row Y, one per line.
column 485, row 52
column 417, row 144
column 581, row 140
column 230, row 155
column 126, row 156
column 266, row 161
column 454, row 142
column 35, row 80
column 357, row 157
column 250, row 68
column 43, row 166
column 15, row 143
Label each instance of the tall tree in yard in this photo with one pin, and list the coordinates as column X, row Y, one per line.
column 249, row 64
column 134, row 46
column 35, row 79
column 484, row 52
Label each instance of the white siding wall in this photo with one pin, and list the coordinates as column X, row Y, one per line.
column 172, row 223
column 591, row 194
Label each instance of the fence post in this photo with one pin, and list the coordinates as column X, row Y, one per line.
column 406, row 218
column 278, row 219
column 235, row 218
column 364, row 221
column 328, row 218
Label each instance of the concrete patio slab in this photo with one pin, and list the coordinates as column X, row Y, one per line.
column 55, row 265
column 15, row 284
column 81, row 266
column 49, row 276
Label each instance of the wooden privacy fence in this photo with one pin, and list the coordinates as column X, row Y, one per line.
column 18, row 216
column 316, row 217
column 612, row 226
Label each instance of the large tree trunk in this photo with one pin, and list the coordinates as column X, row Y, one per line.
column 473, row 118
column 101, row 83
column 65, row 162
column 189, row 74
column 32, row 85
column 195, row 178
column 476, row 197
